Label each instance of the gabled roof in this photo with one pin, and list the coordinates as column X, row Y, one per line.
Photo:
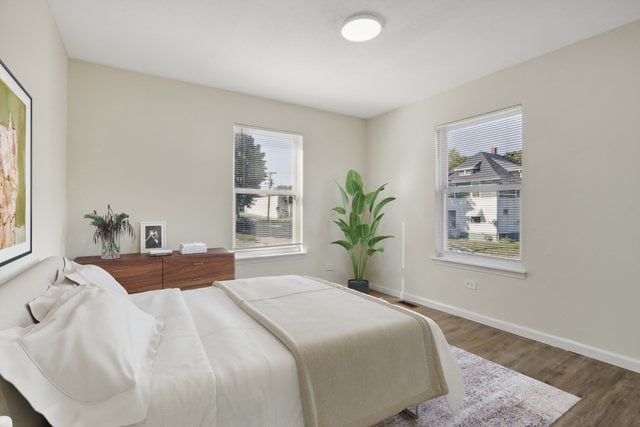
column 486, row 167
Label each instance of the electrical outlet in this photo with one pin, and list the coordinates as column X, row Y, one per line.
column 328, row 267
column 470, row 284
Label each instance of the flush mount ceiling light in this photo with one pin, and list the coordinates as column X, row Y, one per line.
column 362, row 27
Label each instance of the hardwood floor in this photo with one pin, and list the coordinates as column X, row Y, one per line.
column 610, row 395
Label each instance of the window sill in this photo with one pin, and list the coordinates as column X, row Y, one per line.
column 490, row 265
column 249, row 257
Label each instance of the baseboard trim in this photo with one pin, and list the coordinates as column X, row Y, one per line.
column 393, row 292
column 553, row 340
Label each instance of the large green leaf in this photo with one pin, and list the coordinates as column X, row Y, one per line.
column 363, row 232
column 353, row 182
column 357, row 205
column 348, row 246
column 352, row 236
column 340, row 210
column 343, row 225
column 380, row 205
column 354, row 219
column 349, row 233
column 375, row 223
column 343, row 195
column 368, row 197
column 377, row 239
column 371, row 197
column 374, row 250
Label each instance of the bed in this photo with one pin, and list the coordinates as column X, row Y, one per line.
column 243, row 352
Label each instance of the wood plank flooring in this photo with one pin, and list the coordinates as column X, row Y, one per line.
column 610, row 395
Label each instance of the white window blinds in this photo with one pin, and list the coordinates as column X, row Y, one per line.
column 267, row 190
column 479, row 186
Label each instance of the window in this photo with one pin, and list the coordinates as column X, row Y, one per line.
column 452, row 219
column 267, row 191
column 479, row 175
column 510, row 194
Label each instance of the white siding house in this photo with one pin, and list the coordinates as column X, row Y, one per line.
column 485, row 215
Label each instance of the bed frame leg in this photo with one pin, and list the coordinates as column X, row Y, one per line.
column 413, row 411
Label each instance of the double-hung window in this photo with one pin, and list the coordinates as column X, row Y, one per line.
column 267, row 176
column 478, row 190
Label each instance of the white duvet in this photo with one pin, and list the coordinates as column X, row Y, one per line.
column 226, row 371
column 256, row 379
column 256, row 376
column 183, row 387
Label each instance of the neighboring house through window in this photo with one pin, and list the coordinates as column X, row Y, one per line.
column 480, row 175
column 452, row 219
column 267, row 192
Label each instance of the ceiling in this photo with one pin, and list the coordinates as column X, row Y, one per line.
column 291, row 50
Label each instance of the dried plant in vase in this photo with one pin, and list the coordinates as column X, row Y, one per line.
column 109, row 227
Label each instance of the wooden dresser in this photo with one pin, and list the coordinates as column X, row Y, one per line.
column 141, row 272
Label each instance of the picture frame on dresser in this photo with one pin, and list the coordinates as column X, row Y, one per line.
column 153, row 235
column 15, row 168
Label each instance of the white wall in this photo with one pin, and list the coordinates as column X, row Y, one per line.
column 160, row 149
column 31, row 47
column 581, row 244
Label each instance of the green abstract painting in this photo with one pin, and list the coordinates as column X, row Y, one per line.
column 15, row 168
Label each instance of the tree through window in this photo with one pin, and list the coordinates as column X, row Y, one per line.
column 267, row 191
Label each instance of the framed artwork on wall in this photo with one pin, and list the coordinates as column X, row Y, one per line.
column 153, row 235
column 15, row 168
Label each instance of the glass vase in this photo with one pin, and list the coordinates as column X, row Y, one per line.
column 111, row 246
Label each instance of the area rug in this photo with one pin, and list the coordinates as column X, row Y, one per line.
column 494, row 396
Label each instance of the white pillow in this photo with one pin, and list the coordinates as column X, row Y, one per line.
column 88, row 362
column 92, row 275
column 40, row 306
column 73, row 274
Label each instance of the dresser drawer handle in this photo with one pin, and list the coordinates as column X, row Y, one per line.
column 198, row 263
column 197, row 278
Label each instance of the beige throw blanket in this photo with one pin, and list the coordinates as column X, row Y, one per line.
column 360, row 360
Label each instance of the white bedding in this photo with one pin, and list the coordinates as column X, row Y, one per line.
column 256, row 376
column 88, row 362
column 183, row 384
column 359, row 359
column 216, row 366
column 162, row 378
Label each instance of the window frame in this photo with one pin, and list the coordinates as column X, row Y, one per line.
column 487, row 263
column 297, row 247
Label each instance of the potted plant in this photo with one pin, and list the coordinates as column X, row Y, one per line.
column 109, row 227
column 359, row 219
